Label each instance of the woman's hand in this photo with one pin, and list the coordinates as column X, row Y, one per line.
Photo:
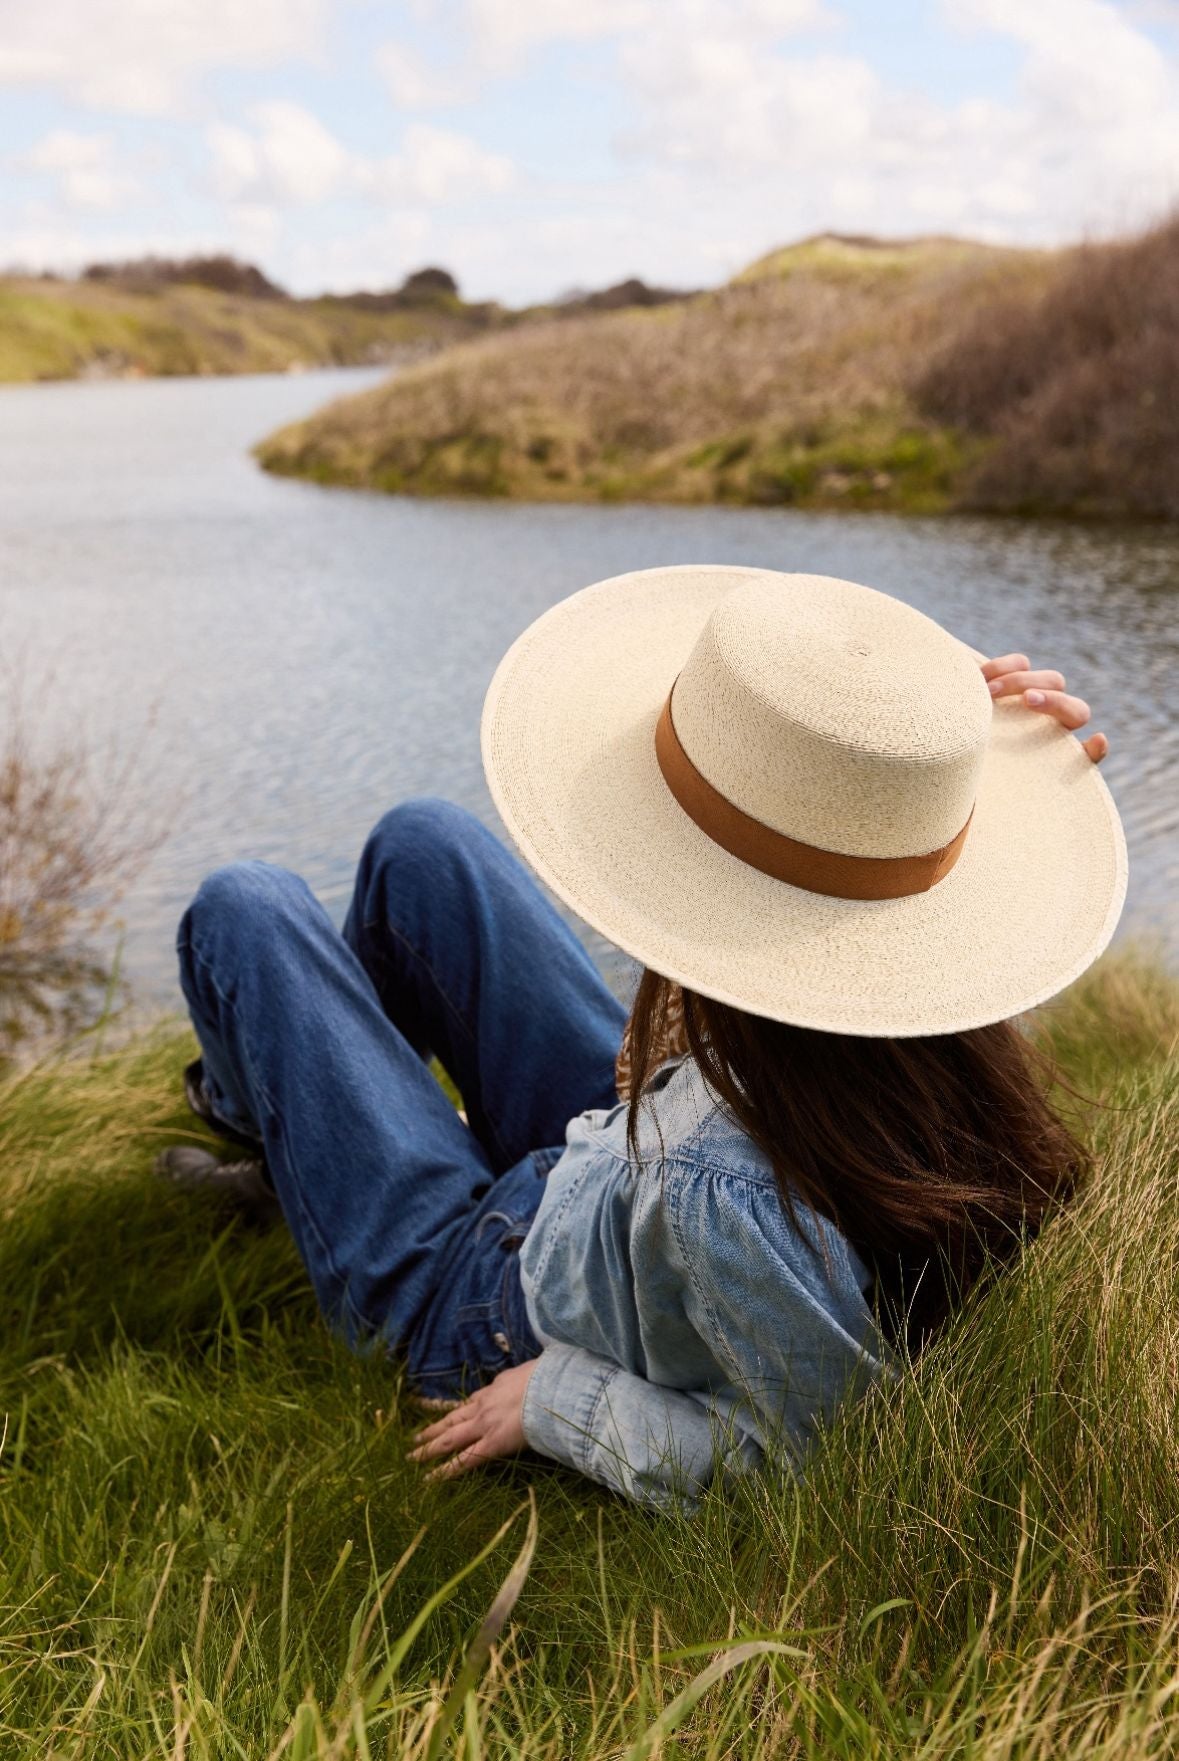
column 1011, row 675
column 486, row 1427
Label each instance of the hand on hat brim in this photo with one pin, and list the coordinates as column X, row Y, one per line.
column 1012, row 675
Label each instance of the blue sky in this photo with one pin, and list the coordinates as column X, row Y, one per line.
column 532, row 147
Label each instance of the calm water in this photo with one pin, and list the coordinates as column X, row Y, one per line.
column 285, row 661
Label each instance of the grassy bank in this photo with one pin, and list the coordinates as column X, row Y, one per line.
column 80, row 329
column 200, row 1494
column 836, row 373
column 789, row 386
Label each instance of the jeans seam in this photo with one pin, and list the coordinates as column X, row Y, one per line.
column 275, row 1118
column 513, row 1265
column 346, row 1302
column 228, row 1003
column 392, row 929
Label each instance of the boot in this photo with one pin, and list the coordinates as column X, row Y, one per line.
column 246, row 1182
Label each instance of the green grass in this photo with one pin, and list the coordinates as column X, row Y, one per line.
column 850, row 257
column 201, row 1496
column 887, row 460
column 60, row 330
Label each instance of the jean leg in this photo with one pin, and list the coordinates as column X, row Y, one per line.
column 376, row 1174
column 473, row 963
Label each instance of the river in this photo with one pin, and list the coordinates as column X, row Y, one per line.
column 281, row 661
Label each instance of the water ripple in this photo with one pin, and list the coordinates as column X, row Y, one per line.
column 312, row 656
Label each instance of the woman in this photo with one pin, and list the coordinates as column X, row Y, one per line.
column 844, row 854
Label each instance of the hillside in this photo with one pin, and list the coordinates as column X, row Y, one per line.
column 788, row 385
column 840, row 372
column 156, row 316
column 97, row 328
column 1076, row 390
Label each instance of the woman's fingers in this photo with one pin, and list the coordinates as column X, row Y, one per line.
column 458, row 1447
column 1004, row 663
column 471, row 1457
column 453, row 1417
column 1070, row 712
column 459, row 1415
column 1010, row 684
column 1042, row 689
column 445, row 1441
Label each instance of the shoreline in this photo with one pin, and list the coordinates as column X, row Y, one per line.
column 836, row 375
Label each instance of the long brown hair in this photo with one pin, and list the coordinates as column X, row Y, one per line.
column 934, row 1156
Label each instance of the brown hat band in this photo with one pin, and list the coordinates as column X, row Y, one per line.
column 800, row 865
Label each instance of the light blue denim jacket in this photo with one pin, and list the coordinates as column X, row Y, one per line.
column 686, row 1322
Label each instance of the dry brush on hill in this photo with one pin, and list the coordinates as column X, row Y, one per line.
column 787, row 385
column 1076, row 389
column 841, row 372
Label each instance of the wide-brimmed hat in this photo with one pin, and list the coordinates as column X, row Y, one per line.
column 794, row 794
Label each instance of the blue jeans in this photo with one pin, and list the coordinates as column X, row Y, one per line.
column 316, row 1042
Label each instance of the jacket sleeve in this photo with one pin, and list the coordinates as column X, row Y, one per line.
column 652, row 1444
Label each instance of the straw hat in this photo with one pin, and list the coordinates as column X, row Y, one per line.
column 794, row 794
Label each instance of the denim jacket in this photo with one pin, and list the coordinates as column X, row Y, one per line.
column 686, row 1322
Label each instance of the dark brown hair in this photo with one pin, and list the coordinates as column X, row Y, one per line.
column 934, row 1156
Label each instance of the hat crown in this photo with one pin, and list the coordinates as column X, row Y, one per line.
column 835, row 715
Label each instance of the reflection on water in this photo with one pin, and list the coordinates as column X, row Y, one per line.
column 312, row 656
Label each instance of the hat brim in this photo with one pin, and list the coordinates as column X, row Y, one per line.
column 568, row 740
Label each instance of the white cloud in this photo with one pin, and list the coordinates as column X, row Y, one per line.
column 727, row 110
column 1086, row 61
column 729, row 107
column 415, row 85
column 289, row 157
column 740, row 130
column 496, row 37
column 51, row 243
column 738, row 139
column 436, row 165
column 254, row 230
column 84, row 168
column 502, row 31
column 237, row 160
column 378, row 254
column 1092, row 142
column 499, row 35
column 143, row 56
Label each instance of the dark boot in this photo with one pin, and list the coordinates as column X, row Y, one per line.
column 197, row 1096
column 245, row 1182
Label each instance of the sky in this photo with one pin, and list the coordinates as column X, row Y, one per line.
column 535, row 146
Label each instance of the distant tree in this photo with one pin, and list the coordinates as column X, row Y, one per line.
column 631, row 292
column 425, row 287
column 220, row 271
column 428, row 284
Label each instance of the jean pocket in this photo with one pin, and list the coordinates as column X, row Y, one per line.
column 517, row 1328
column 484, row 1344
column 477, row 1324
